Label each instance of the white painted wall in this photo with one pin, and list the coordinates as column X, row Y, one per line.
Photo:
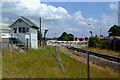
column 4, row 29
column 34, row 40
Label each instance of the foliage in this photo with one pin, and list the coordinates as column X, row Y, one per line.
column 114, row 31
column 70, row 37
column 96, row 42
column 66, row 37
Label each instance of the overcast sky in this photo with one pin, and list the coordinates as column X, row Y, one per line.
column 57, row 17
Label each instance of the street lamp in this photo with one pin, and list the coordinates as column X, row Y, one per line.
column 91, row 33
column 88, row 56
column 87, row 52
column 55, row 35
column 99, row 28
column 84, row 30
column 45, row 36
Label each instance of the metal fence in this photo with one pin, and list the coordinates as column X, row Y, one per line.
column 55, row 53
column 67, row 43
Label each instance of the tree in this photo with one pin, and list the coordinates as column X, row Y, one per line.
column 66, row 37
column 114, row 31
column 70, row 37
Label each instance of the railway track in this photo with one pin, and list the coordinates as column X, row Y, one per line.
column 101, row 55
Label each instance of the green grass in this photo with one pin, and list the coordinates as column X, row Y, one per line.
column 0, row 65
column 39, row 64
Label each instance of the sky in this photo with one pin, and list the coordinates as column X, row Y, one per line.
column 88, row 9
column 59, row 17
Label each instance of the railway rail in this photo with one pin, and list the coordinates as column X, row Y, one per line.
column 101, row 55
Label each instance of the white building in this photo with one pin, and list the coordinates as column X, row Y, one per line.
column 23, row 30
column 4, row 32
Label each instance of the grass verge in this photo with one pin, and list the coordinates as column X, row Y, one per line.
column 40, row 64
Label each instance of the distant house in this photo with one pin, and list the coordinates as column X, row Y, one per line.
column 4, row 32
column 23, row 29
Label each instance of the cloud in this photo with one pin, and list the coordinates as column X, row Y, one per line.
column 57, row 19
column 114, row 7
column 34, row 9
column 110, row 20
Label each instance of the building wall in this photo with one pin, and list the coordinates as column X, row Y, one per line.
column 34, row 38
column 4, row 41
column 4, row 29
column 0, row 35
column 21, row 36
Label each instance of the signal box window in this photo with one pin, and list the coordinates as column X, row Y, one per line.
column 27, row 29
column 21, row 30
column 15, row 30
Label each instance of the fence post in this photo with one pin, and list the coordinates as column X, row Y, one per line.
column 27, row 44
column 18, row 47
column 56, row 55
column 11, row 48
column 60, row 63
column 24, row 46
column 1, row 46
column 8, row 45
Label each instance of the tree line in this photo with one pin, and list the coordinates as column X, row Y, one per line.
column 113, row 31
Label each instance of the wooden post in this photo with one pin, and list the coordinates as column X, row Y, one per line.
column 18, row 47
column 8, row 45
column 1, row 45
column 40, row 31
column 11, row 48
column 27, row 44
column 24, row 46
column 44, row 39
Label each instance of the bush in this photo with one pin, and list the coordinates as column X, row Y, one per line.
column 96, row 42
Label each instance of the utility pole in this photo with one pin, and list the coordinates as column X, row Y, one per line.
column 84, row 30
column 40, row 31
column 55, row 36
column 100, row 32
